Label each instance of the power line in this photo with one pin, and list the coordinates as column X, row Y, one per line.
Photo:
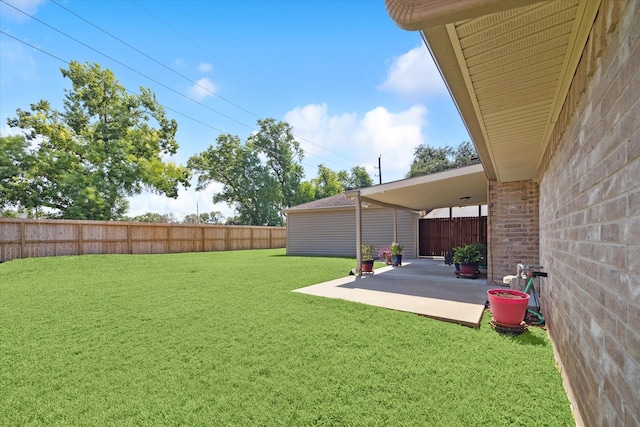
column 128, row 67
column 206, row 51
column 154, row 60
column 154, row 80
column 302, row 160
column 174, row 29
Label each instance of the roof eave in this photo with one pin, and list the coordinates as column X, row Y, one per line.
column 414, row 15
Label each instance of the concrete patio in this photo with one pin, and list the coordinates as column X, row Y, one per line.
column 423, row 286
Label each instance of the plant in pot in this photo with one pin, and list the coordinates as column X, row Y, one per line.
column 508, row 306
column 482, row 267
column 468, row 257
column 366, row 265
column 396, row 253
column 384, row 254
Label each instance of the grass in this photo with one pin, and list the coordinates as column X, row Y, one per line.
column 219, row 339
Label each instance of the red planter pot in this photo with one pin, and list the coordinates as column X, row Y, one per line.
column 469, row 268
column 367, row 266
column 508, row 310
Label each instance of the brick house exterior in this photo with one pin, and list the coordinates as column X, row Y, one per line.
column 590, row 223
column 578, row 213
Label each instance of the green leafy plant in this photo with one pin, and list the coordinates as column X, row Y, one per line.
column 483, row 253
column 367, row 252
column 467, row 254
column 396, row 248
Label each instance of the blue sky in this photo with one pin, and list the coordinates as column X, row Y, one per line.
column 353, row 85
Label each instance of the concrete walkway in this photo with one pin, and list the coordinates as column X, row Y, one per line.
column 424, row 286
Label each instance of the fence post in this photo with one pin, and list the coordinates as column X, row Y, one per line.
column 22, row 239
column 168, row 243
column 80, row 242
column 129, row 247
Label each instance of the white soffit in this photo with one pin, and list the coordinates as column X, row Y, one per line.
column 437, row 190
column 509, row 73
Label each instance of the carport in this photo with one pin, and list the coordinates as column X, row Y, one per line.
column 422, row 286
column 462, row 186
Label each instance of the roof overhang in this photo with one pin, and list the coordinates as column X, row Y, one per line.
column 508, row 65
column 455, row 187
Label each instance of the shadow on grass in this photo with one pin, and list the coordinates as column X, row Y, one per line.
column 529, row 338
column 311, row 256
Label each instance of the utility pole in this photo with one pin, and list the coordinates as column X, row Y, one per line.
column 379, row 170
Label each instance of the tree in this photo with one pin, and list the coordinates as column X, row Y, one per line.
column 213, row 217
column 104, row 146
column 155, row 217
column 283, row 154
column 465, row 154
column 359, row 178
column 259, row 178
column 431, row 159
column 328, row 183
column 16, row 181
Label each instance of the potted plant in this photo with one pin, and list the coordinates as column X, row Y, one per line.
column 508, row 306
column 468, row 257
column 396, row 253
column 366, row 265
column 384, row 254
column 482, row 267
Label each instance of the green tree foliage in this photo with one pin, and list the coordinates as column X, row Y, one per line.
column 329, row 183
column 259, row 177
column 84, row 161
column 9, row 213
column 16, row 167
column 436, row 159
column 213, row 217
column 154, row 217
column 358, row 178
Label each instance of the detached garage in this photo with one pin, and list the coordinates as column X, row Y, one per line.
column 327, row 227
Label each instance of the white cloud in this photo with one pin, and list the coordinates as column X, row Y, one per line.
column 9, row 131
column 203, row 88
column 205, row 67
column 11, row 10
column 180, row 63
column 414, row 75
column 188, row 202
column 346, row 140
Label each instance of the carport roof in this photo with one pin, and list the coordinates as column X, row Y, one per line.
column 455, row 187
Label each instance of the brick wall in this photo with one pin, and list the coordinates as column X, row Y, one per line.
column 590, row 224
column 513, row 227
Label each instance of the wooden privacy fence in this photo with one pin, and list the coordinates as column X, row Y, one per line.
column 24, row 238
column 439, row 235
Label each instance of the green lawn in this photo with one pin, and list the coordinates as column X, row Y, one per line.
column 218, row 339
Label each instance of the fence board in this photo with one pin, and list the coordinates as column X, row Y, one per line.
column 24, row 238
column 440, row 235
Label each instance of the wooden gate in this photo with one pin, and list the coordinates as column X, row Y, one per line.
column 439, row 235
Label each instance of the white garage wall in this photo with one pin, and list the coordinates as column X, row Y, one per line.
column 333, row 233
